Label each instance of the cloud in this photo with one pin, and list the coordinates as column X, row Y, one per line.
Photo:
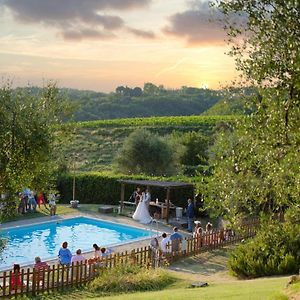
column 78, row 35
column 142, row 33
column 75, row 19
column 198, row 25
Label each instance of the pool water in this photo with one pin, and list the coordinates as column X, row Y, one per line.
column 23, row 244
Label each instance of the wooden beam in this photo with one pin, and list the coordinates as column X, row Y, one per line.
column 168, row 204
column 122, row 196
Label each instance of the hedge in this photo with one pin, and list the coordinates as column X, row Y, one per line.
column 104, row 188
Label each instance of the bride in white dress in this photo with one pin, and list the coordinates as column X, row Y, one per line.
column 141, row 213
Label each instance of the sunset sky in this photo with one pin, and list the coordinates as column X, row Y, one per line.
column 101, row 44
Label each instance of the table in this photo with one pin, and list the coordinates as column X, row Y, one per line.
column 162, row 207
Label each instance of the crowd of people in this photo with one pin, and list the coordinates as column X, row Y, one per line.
column 65, row 257
column 30, row 200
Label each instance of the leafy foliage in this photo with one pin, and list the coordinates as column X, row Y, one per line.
column 27, row 136
column 134, row 102
column 257, row 164
column 274, row 251
column 131, row 278
column 104, row 188
column 97, row 142
column 146, row 153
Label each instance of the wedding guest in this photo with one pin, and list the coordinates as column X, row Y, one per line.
column 135, row 196
column 154, row 246
column 105, row 252
column 15, row 280
column 78, row 257
column 165, row 244
column 52, row 204
column 147, row 197
column 97, row 251
column 40, row 266
column 209, row 227
column 175, row 239
column 190, row 215
column 32, row 202
column 64, row 255
column 198, row 234
column 41, row 200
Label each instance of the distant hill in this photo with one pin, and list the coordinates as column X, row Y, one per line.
column 137, row 102
column 233, row 103
column 227, row 107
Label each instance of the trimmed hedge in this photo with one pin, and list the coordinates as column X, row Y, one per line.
column 104, row 188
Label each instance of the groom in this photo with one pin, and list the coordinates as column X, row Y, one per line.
column 147, row 197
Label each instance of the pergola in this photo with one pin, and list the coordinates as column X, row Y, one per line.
column 167, row 185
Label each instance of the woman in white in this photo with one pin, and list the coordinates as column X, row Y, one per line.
column 141, row 213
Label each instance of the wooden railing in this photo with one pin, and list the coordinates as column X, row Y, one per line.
column 58, row 278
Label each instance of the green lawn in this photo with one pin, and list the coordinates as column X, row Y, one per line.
column 42, row 212
column 259, row 289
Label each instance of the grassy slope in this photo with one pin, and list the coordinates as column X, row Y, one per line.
column 259, row 289
column 208, row 267
column 96, row 142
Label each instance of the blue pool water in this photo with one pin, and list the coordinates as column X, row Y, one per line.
column 44, row 240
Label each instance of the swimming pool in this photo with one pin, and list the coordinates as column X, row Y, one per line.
column 44, row 239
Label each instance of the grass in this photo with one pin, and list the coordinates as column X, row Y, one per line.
column 42, row 212
column 207, row 267
column 97, row 142
column 130, row 278
column 258, row 289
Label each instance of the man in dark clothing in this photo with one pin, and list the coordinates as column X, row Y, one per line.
column 190, row 215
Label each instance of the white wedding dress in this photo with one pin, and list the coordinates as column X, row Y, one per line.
column 141, row 213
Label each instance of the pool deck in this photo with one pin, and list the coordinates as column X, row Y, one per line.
column 156, row 228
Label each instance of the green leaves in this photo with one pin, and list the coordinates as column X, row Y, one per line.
column 27, row 138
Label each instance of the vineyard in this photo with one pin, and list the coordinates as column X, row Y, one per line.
column 95, row 143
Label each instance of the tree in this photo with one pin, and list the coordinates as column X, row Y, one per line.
column 150, row 89
column 147, row 153
column 257, row 163
column 27, row 136
column 137, row 92
column 196, row 145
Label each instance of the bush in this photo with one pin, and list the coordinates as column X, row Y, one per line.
column 104, row 188
column 274, row 251
column 146, row 153
column 129, row 278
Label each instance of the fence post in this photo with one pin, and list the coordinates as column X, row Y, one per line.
column 33, row 282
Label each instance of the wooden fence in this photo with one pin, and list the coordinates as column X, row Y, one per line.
column 58, row 278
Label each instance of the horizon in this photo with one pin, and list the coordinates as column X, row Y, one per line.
column 99, row 45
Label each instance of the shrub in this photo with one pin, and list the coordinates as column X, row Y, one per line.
column 130, row 278
column 147, row 153
column 274, row 251
column 104, row 188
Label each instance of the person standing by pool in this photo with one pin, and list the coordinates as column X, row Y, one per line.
column 32, row 202
column 190, row 214
column 64, row 255
column 52, row 204
column 41, row 200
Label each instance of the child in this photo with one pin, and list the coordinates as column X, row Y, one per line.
column 15, row 280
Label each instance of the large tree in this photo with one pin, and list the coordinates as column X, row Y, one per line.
column 257, row 162
column 146, row 153
column 27, row 139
